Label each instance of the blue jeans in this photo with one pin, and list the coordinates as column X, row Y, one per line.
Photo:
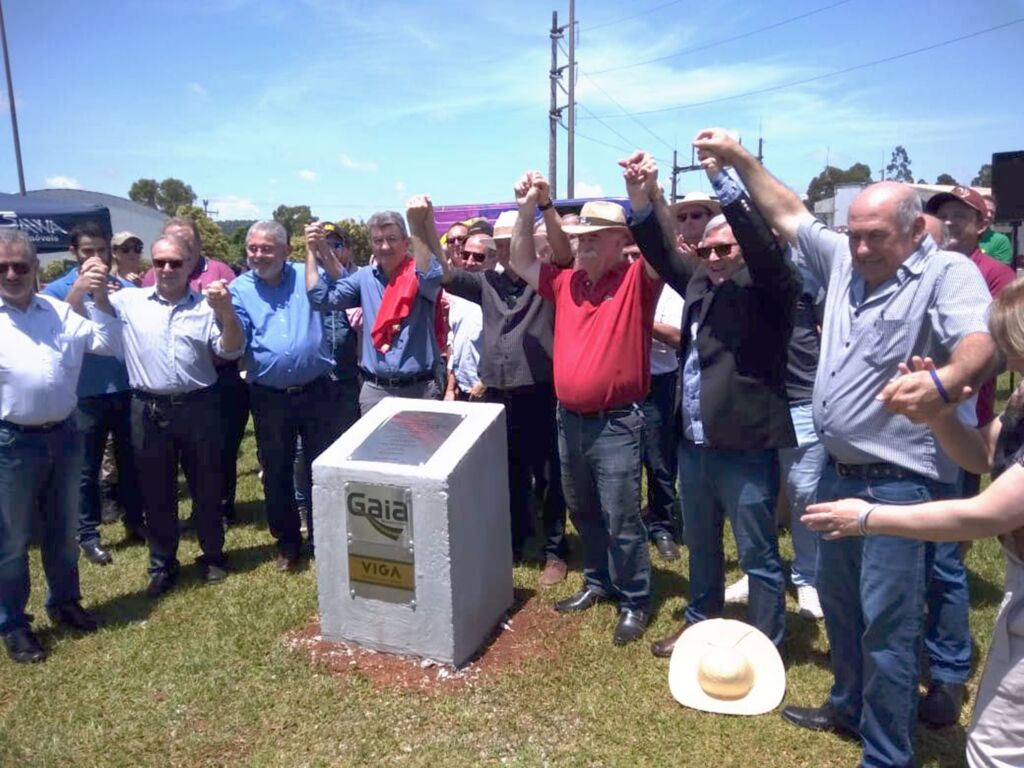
column 801, row 470
column 872, row 593
column 659, row 455
column 743, row 485
column 39, row 479
column 97, row 417
column 601, row 480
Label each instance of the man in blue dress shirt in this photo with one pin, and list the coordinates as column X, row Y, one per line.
column 104, row 404
column 287, row 361
column 44, row 342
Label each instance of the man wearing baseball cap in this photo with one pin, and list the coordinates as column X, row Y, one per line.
column 126, row 249
column 604, row 317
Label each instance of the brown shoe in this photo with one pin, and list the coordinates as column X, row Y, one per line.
column 286, row 563
column 663, row 648
column 555, row 571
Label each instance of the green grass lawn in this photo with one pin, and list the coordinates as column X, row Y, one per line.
column 202, row 677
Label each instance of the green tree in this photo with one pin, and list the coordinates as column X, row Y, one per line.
column 294, row 218
column 143, row 191
column 215, row 245
column 898, row 168
column 823, row 185
column 358, row 240
column 984, row 177
column 235, row 235
column 172, row 194
column 945, row 178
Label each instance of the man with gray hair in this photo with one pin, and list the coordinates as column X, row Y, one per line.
column 398, row 295
column 44, row 343
column 892, row 295
column 287, row 361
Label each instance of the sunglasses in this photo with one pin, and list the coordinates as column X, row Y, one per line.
column 478, row 258
column 722, row 250
column 19, row 268
column 336, row 244
column 172, row 263
column 457, row 239
column 691, row 215
column 137, row 248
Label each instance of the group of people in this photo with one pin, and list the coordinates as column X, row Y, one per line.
column 731, row 346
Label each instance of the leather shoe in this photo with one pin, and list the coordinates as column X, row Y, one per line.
column 585, row 598
column 73, row 615
column 817, row 719
column 159, row 583
column 631, row 626
column 96, row 554
column 214, row 572
column 663, row 648
column 286, row 563
column 555, row 571
column 23, row 647
column 134, row 533
column 941, row 705
column 666, row 547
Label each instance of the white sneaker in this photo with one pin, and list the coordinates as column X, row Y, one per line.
column 807, row 598
column 737, row 594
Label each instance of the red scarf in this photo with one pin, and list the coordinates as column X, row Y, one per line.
column 395, row 306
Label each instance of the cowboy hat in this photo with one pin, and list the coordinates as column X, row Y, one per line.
column 696, row 200
column 597, row 215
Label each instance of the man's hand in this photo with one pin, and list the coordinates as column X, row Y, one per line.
column 218, row 297
column 477, row 391
column 527, row 194
column 315, row 241
column 543, row 187
column 715, row 144
column 640, row 171
column 915, row 395
column 419, row 211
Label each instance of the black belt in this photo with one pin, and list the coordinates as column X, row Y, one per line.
column 174, row 398
column 298, row 389
column 404, row 380
column 878, row 471
column 606, row 413
column 49, row 426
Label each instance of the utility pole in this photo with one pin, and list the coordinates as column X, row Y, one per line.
column 570, row 145
column 677, row 169
column 206, row 209
column 10, row 99
column 554, row 112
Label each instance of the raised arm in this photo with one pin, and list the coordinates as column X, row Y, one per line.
column 561, row 248
column 426, row 245
column 781, row 206
column 523, row 255
column 232, row 337
column 318, row 254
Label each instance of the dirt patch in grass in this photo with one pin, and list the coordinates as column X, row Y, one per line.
column 530, row 630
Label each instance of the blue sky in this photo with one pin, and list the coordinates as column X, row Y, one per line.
column 354, row 106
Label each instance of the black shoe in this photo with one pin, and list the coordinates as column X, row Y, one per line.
column 631, row 626
column 817, row 719
column 73, row 615
column 666, row 547
column 160, row 582
column 214, row 572
column 95, row 553
column 23, row 647
column 941, row 705
column 585, row 598
column 134, row 533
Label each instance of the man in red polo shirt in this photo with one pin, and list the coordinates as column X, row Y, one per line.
column 604, row 315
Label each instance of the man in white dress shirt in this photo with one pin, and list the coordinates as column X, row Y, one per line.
column 44, row 341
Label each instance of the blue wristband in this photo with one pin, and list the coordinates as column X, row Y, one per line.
column 938, row 385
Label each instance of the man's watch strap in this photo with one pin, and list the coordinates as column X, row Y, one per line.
column 546, row 206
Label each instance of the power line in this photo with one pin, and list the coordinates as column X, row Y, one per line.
column 724, row 40
column 854, row 68
column 624, row 111
column 583, row 106
column 632, row 16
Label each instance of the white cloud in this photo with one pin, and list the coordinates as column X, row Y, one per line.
column 583, row 189
column 62, row 182
column 356, row 165
column 235, row 207
column 307, row 175
column 197, row 89
column 400, row 189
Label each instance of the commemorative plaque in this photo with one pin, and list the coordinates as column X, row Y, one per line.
column 408, row 437
column 380, row 542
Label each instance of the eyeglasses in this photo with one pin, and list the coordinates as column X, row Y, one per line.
column 722, row 250
column 457, row 240
column 172, row 263
column 19, row 268
column 137, row 248
column 478, row 258
column 691, row 215
column 377, row 242
column 263, row 250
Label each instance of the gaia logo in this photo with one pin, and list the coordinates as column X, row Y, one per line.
column 388, row 517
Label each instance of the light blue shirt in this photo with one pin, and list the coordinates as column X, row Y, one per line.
column 169, row 346
column 466, row 321
column 101, row 374
column 414, row 350
column 693, row 427
column 286, row 346
column 41, row 355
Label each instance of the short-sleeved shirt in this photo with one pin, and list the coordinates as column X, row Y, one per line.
column 997, row 245
column 465, row 322
column 668, row 311
column 101, row 374
column 602, row 351
column 935, row 300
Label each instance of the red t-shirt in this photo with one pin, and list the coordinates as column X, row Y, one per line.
column 602, row 349
column 997, row 276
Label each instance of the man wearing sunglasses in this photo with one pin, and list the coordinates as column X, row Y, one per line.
column 127, row 253
column 172, row 337
column 736, row 327
column 466, row 326
column 104, row 404
column 44, row 342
